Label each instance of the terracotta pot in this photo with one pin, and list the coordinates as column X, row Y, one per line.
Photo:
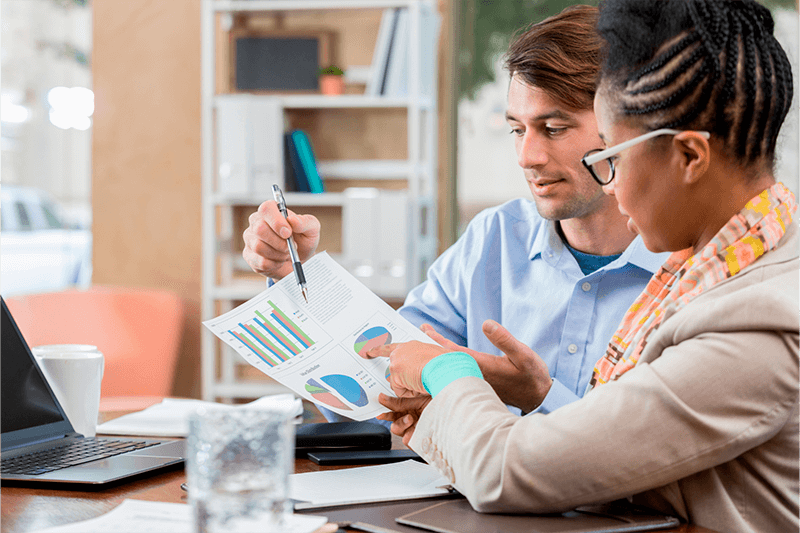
column 331, row 84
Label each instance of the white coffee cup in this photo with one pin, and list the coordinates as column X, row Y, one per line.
column 75, row 373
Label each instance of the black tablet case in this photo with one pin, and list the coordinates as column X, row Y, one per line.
column 341, row 436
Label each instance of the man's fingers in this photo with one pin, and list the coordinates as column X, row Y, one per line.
column 384, row 350
column 273, row 218
column 515, row 350
column 304, row 224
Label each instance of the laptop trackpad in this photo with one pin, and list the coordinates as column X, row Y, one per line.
column 111, row 469
column 173, row 448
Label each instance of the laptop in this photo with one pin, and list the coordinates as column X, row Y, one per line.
column 39, row 444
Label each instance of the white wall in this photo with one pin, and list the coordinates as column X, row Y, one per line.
column 488, row 173
column 787, row 27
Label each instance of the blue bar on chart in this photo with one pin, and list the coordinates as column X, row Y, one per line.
column 265, row 337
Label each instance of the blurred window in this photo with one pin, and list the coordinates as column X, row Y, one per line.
column 53, row 221
column 22, row 217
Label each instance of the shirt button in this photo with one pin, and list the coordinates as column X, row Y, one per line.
column 425, row 446
column 449, row 474
column 572, row 348
column 586, row 286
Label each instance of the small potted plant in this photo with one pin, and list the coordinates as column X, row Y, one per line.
column 331, row 80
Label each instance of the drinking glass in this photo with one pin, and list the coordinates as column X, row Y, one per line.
column 238, row 467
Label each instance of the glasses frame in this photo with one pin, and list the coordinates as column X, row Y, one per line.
column 597, row 155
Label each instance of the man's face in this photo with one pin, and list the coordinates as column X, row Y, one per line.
column 550, row 140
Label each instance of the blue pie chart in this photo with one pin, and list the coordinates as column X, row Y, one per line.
column 348, row 388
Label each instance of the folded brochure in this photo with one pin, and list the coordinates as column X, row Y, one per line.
column 315, row 348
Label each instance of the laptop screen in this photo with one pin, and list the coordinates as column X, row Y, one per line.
column 27, row 402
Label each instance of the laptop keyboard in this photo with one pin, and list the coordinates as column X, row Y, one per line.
column 75, row 453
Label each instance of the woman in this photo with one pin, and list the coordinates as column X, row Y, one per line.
column 695, row 403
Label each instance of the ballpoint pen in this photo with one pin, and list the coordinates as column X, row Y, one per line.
column 298, row 268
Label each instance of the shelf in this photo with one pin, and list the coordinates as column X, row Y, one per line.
column 297, row 5
column 345, row 101
column 292, row 199
column 365, row 228
column 386, row 169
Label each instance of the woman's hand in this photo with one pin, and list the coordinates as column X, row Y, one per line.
column 405, row 414
column 406, row 361
column 519, row 377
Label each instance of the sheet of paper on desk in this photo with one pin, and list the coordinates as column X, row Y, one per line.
column 405, row 480
column 135, row 516
column 313, row 347
column 170, row 417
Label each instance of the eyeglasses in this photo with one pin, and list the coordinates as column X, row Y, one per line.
column 600, row 164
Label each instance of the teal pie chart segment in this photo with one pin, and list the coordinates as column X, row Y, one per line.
column 348, row 388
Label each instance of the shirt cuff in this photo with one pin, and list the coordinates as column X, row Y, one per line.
column 557, row 396
column 444, row 369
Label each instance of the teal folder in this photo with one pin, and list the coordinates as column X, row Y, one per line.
column 304, row 164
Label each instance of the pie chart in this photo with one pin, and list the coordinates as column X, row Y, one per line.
column 374, row 336
column 348, row 388
column 323, row 395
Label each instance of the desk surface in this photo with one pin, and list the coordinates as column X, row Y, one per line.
column 27, row 509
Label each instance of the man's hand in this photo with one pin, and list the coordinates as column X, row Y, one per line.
column 265, row 248
column 519, row 377
column 405, row 414
column 406, row 361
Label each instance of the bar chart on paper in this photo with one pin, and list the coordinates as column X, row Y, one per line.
column 318, row 348
column 272, row 335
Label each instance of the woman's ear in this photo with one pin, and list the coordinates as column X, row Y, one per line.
column 694, row 155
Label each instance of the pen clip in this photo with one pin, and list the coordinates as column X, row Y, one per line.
column 277, row 194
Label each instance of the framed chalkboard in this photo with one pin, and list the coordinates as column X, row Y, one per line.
column 278, row 62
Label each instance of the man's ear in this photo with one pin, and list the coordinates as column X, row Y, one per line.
column 694, row 155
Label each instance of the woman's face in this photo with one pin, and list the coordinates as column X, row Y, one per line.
column 645, row 183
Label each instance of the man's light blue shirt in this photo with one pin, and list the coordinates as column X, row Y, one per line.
column 511, row 266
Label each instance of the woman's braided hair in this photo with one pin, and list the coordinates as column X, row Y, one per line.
column 709, row 65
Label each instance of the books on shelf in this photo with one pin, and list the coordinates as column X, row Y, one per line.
column 381, row 54
column 249, row 147
column 301, row 165
column 374, row 238
column 390, row 60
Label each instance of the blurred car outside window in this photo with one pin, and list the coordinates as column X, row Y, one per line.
column 39, row 251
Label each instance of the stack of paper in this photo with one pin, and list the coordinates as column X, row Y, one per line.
column 134, row 516
column 170, row 418
column 405, row 480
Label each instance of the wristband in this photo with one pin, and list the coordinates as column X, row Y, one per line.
column 442, row 370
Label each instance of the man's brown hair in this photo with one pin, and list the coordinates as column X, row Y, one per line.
column 560, row 55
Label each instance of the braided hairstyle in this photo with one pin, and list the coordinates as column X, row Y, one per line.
column 709, row 65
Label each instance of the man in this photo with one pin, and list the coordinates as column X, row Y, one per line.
column 558, row 273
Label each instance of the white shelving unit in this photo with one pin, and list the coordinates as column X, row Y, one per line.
column 221, row 290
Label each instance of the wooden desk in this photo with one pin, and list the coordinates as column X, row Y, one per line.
column 29, row 509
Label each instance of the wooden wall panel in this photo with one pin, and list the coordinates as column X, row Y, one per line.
column 146, row 187
column 146, row 156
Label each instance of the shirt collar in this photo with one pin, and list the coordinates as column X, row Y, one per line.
column 548, row 245
column 546, row 242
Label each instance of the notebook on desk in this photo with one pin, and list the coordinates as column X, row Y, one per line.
column 457, row 516
column 38, row 442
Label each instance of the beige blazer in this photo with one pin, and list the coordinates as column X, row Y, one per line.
column 705, row 426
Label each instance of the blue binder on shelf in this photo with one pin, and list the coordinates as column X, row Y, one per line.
column 303, row 165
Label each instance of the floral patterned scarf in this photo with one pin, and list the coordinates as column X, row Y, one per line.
column 751, row 233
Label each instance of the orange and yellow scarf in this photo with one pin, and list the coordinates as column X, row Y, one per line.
column 751, row 233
